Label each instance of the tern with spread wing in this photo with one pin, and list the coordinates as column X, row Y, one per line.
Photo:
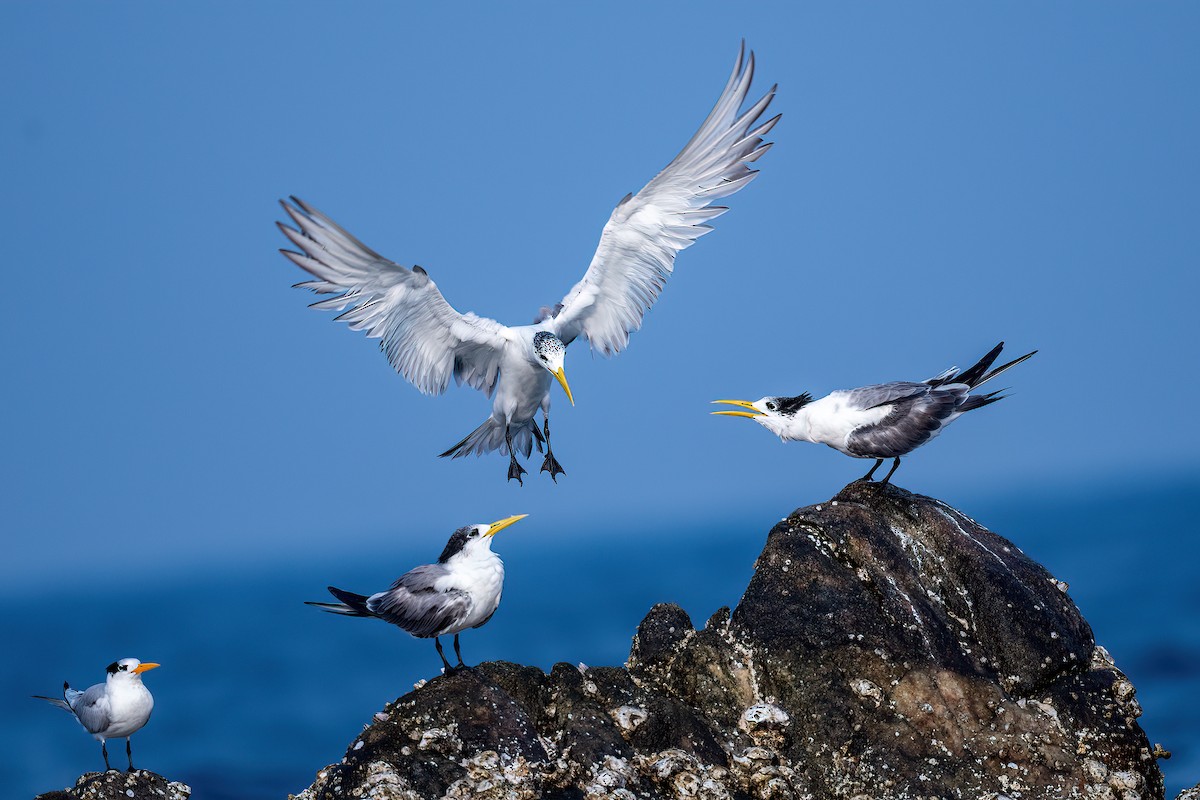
column 117, row 708
column 462, row 590
column 887, row 420
column 429, row 342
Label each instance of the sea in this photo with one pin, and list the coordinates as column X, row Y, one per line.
column 257, row 691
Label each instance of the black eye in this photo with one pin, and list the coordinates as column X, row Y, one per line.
column 770, row 406
column 472, row 534
column 124, row 667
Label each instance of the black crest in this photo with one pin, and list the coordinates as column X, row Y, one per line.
column 790, row 405
column 113, row 668
column 458, row 541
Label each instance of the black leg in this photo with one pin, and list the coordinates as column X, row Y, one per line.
column 890, row 471
column 515, row 470
column 550, row 464
column 129, row 753
column 458, row 652
column 438, row 644
column 104, row 750
column 867, row 477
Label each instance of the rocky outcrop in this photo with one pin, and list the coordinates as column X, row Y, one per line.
column 887, row 647
column 113, row 785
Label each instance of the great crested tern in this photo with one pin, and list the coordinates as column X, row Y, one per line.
column 887, row 420
column 428, row 341
column 117, row 708
column 462, row 590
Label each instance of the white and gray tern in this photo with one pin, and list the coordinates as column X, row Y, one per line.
column 887, row 420
column 117, row 708
column 462, row 590
column 428, row 341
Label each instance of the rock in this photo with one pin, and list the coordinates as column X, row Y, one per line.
column 1189, row 794
column 887, row 647
column 113, row 785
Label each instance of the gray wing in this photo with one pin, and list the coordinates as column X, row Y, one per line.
column 423, row 337
column 917, row 414
column 637, row 247
column 91, row 707
column 416, row 605
column 882, row 394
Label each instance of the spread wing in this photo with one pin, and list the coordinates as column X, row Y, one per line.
column 637, row 248
column 91, row 707
column 423, row 337
column 416, row 604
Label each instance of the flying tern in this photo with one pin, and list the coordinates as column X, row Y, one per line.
column 462, row 590
column 887, row 420
column 117, row 708
column 429, row 342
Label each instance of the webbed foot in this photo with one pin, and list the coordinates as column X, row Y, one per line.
column 551, row 465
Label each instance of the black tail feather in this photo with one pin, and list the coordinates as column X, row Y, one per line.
column 352, row 605
column 971, row 377
column 1003, row 368
column 980, row 400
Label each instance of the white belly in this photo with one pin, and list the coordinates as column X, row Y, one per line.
column 521, row 390
column 483, row 581
column 828, row 421
column 128, row 712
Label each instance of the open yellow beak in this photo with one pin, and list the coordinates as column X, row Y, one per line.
column 149, row 665
column 752, row 413
column 562, row 381
column 500, row 525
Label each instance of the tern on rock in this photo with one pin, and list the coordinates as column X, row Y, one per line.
column 462, row 590
column 887, row 420
column 117, row 708
column 429, row 342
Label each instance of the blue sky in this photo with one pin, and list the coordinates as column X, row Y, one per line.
column 945, row 176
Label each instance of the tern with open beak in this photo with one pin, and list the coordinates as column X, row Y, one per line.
column 462, row 590
column 887, row 420
column 117, row 708
column 429, row 342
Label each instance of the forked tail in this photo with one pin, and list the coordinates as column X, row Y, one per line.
column 978, row 374
column 61, row 702
column 352, row 605
column 490, row 436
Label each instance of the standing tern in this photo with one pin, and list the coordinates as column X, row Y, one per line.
column 428, row 341
column 462, row 590
column 887, row 420
column 117, row 708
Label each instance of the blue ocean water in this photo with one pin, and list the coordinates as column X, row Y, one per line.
column 257, row 691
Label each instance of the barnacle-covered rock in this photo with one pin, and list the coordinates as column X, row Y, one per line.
column 140, row 784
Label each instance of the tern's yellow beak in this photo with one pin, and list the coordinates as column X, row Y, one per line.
column 752, row 413
column 562, row 380
column 500, row 525
column 149, row 665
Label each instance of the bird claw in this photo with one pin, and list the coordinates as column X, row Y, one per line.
column 515, row 470
column 551, row 465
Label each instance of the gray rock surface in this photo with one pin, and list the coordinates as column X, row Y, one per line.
column 887, row 647
column 113, row 785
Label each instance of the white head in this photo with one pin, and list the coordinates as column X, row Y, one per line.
column 128, row 670
column 550, row 352
column 473, row 541
column 773, row 413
